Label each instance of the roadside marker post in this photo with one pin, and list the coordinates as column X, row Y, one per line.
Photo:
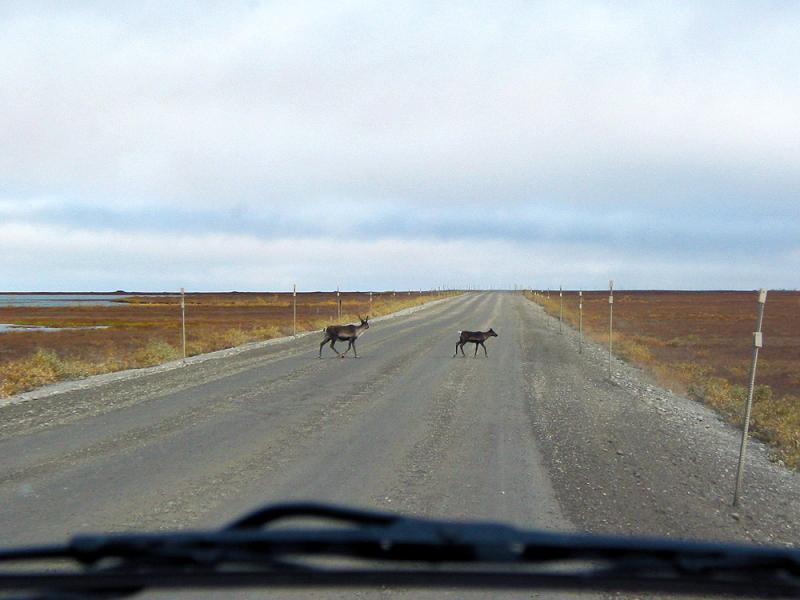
column 183, row 323
column 610, row 323
column 547, row 321
column 580, row 322
column 370, row 303
column 560, row 309
column 757, row 343
column 338, row 305
column 294, row 310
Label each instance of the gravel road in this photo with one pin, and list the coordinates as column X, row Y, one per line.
column 536, row 435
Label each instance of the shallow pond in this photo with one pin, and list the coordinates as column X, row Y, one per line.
column 44, row 299
column 6, row 327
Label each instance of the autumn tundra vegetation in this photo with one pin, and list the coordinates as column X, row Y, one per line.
column 700, row 343
column 145, row 330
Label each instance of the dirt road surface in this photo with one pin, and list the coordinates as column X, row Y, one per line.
column 536, row 435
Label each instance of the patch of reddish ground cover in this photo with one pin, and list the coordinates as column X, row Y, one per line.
column 701, row 342
column 146, row 330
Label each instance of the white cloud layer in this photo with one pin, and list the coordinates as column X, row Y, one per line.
column 609, row 131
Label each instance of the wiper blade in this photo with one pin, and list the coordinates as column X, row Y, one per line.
column 368, row 548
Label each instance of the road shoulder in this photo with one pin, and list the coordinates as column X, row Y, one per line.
column 629, row 457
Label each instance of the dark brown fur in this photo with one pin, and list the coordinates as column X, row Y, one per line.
column 474, row 337
column 344, row 333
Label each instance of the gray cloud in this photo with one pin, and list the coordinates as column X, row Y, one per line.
column 629, row 138
column 651, row 230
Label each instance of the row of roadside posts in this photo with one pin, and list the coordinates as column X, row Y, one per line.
column 580, row 319
column 338, row 304
column 294, row 313
column 758, row 342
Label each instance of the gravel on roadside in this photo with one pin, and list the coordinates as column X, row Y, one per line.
column 629, row 457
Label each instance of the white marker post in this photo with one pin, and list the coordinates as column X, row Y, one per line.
column 183, row 323
column 370, row 303
column 610, row 323
column 757, row 343
column 338, row 305
column 560, row 309
column 294, row 310
column 547, row 320
column 580, row 322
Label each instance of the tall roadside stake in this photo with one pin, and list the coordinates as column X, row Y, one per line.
column 560, row 309
column 294, row 310
column 757, row 343
column 580, row 322
column 183, row 322
column 547, row 321
column 610, row 323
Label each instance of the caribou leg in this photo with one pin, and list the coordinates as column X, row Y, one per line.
column 484, row 350
column 476, row 350
column 325, row 341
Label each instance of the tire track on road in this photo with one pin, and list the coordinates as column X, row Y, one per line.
column 75, row 405
column 192, row 416
column 417, row 484
column 294, row 440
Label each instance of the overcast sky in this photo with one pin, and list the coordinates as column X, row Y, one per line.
column 222, row 146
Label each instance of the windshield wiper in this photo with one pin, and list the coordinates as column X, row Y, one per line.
column 360, row 548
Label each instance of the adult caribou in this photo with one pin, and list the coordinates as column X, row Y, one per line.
column 344, row 333
column 475, row 337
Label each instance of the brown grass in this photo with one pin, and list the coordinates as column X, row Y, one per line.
column 145, row 330
column 700, row 343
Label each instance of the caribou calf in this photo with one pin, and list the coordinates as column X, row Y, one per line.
column 475, row 337
column 344, row 333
